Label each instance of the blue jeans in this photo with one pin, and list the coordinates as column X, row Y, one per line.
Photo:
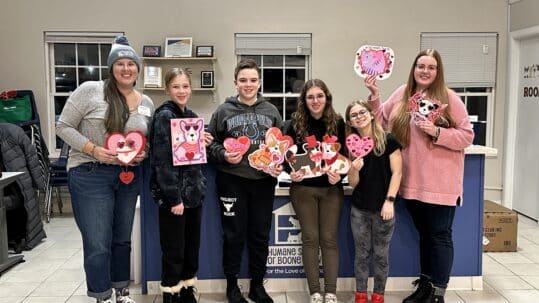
column 104, row 209
column 434, row 223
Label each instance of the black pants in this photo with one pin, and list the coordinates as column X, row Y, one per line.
column 16, row 224
column 180, row 243
column 434, row 223
column 246, row 212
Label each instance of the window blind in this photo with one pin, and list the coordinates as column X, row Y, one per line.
column 81, row 37
column 273, row 44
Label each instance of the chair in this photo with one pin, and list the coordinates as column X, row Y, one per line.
column 57, row 176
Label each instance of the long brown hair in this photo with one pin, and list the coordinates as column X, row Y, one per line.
column 400, row 123
column 301, row 116
column 118, row 111
column 377, row 132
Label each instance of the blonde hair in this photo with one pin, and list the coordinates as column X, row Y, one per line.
column 377, row 132
column 400, row 123
column 176, row 72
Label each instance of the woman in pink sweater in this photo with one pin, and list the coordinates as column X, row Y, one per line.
column 433, row 164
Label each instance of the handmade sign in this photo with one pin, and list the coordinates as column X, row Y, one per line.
column 272, row 152
column 358, row 146
column 425, row 109
column 127, row 147
column 333, row 161
column 188, row 145
column 373, row 60
column 310, row 161
column 240, row 144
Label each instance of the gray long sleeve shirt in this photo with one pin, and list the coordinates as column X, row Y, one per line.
column 83, row 120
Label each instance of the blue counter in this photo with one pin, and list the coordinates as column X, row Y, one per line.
column 284, row 261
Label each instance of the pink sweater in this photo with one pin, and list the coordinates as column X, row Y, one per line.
column 432, row 172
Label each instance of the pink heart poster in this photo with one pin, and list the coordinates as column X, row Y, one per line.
column 126, row 146
column 188, row 145
column 371, row 60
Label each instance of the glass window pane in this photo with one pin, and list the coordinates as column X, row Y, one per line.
column 88, row 54
column 480, row 131
column 273, row 61
column 64, row 54
column 458, row 89
column 476, row 89
column 278, row 102
column 295, row 61
column 290, row 107
column 104, row 73
column 59, row 103
column 87, row 74
column 257, row 58
column 65, row 79
column 294, row 80
column 477, row 105
column 105, row 50
column 272, row 81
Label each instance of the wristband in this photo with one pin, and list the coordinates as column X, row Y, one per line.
column 390, row 198
column 91, row 153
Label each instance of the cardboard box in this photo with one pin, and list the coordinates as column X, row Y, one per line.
column 499, row 228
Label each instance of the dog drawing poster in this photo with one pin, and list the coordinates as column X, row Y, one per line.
column 188, row 141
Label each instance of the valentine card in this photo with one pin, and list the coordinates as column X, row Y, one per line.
column 373, row 60
column 358, row 146
column 127, row 146
column 188, row 145
column 423, row 108
column 240, row 144
column 309, row 162
column 333, row 160
column 272, row 152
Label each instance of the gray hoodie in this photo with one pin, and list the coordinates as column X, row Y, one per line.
column 234, row 119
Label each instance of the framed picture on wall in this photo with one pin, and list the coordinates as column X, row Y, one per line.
column 179, row 47
column 204, row 51
column 206, row 79
column 151, row 51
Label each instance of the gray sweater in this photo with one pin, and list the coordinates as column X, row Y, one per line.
column 83, row 118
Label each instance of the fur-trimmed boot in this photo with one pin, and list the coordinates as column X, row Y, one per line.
column 170, row 294
column 188, row 292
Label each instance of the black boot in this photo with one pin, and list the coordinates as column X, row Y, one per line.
column 257, row 292
column 233, row 294
column 422, row 292
column 171, row 297
column 436, row 295
column 187, row 295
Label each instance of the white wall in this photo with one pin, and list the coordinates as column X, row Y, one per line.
column 338, row 29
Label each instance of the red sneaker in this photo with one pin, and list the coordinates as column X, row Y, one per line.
column 377, row 298
column 361, row 297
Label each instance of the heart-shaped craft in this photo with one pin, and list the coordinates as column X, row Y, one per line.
column 126, row 146
column 373, row 60
column 127, row 177
column 240, row 144
column 276, row 132
column 359, row 146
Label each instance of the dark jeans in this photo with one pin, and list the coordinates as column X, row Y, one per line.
column 246, row 212
column 180, row 244
column 434, row 225
column 104, row 209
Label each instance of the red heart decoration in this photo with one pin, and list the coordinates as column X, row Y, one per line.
column 190, row 155
column 127, row 146
column 127, row 177
column 359, row 146
column 275, row 131
column 240, row 144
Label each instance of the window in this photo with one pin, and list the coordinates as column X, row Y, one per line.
column 478, row 101
column 470, row 69
column 282, row 79
column 73, row 58
column 284, row 63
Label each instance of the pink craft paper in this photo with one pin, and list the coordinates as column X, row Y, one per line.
column 333, row 160
column 126, row 146
column 423, row 108
column 373, row 60
column 358, row 146
column 272, row 152
column 240, row 144
column 188, row 145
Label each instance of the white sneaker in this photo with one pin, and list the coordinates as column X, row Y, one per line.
column 109, row 300
column 317, row 298
column 330, row 298
column 122, row 296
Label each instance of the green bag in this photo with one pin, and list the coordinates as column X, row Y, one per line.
column 16, row 109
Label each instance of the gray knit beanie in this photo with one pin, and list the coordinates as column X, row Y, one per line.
column 120, row 49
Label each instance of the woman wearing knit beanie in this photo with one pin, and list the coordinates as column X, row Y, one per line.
column 104, row 205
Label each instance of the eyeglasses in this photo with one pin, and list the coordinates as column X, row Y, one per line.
column 430, row 68
column 312, row 97
column 360, row 113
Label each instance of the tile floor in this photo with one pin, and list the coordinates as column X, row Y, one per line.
column 53, row 273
